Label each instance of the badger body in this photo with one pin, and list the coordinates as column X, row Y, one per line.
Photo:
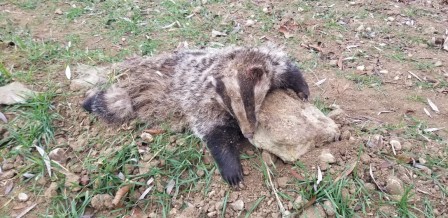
column 217, row 93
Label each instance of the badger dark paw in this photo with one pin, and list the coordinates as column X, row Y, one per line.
column 231, row 170
column 222, row 143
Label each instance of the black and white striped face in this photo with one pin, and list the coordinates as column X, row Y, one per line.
column 244, row 87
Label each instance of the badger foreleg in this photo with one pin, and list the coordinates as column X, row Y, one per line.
column 222, row 142
column 293, row 79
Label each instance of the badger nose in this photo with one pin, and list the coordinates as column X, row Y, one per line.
column 249, row 135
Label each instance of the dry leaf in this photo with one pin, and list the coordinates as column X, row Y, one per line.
column 427, row 112
column 216, row 33
column 24, row 212
column 348, row 172
column 445, row 44
column 296, row 175
column 45, row 158
column 9, row 187
column 145, row 193
column 120, row 194
column 68, row 72
column 319, row 178
column 285, row 32
column 433, row 129
column 433, row 106
column 3, row 117
column 14, row 93
column 320, row 81
column 154, row 131
column 170, row 186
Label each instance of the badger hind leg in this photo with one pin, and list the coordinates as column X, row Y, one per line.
column 222, row 142
column 113, row 105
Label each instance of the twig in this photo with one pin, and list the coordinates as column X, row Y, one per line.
column 24, row 212
column 415, row 75
column 280, row 205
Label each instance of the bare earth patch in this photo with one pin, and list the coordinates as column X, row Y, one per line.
column 378, row 68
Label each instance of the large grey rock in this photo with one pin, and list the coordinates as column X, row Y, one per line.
column 289, row 127
column 14, row 93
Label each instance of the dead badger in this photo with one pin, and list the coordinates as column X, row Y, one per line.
column 216, row 92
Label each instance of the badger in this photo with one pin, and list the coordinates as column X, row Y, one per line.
column 216, row 93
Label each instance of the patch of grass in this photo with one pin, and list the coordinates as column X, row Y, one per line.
column 321, row 105
column 34, row 121
column 363, row 81
column 416, row 98
column 5, row 75
column 404, row 209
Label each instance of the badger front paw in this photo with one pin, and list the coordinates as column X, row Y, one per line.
column 231, row 172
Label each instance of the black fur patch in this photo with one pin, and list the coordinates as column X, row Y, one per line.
column 247, row 86
column 223, row 142
column 293, row 79
column 88, row 104
column 221, row 90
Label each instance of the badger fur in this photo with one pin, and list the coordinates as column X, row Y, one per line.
column 217, row 93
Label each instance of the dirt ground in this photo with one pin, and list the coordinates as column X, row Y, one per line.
column 382, row 62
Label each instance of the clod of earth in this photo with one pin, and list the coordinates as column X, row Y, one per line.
column 14, row 93
column 289, row 127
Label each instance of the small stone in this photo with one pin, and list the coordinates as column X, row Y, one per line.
column 314, row 211
column 146, row 137
column 395, row 144
column 58, row 11
column 329, row 209
column 237, row 205
column 250, row 152
column 369, row 68
column 102, row 201
column 346, row 135
column 327, row 157
column 51, row 191
column 333, row 63
column 58, row 155
column 200, row 173
column 7, row 175
column 246, row 172
column 384, row 71
column 365, row 158
column 394, row 186
column 7, row 166
column 370, row 187
column 361, row 68
column 299, row 201
column 22, row 197
column 250, row 23
column 265, row 10
column 421, row 160
column 282, row 182
column 390, row 19
column 438, row 64
column 360, row 28
column 212, row 214
column 407, row 146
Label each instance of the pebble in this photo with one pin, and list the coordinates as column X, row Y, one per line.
column 346, row 135
column 361, row 68
column 333, row 63
column 246, row 172
column 365, row 158
column 438, row 64
column 58, row 155
column 396, row 144
column 299, row 201
column 7, row 175
column 360, row 28
column 282, row 182
column 327, row 157
column 250, row 23
column 250, row 152
column 329, row 209
column 58, row 11
column 421, row 160
column 370, row 187
column 237, row 205
column 7, row 166
column 314, row 211
column 407, row 146
column 394, row 185
column 384, row 71
column 200, row 173
column 51, row 191
column 22, row 197
column 390, row 19
column 146, row 137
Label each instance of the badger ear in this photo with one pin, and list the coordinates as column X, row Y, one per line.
column 255, row 72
